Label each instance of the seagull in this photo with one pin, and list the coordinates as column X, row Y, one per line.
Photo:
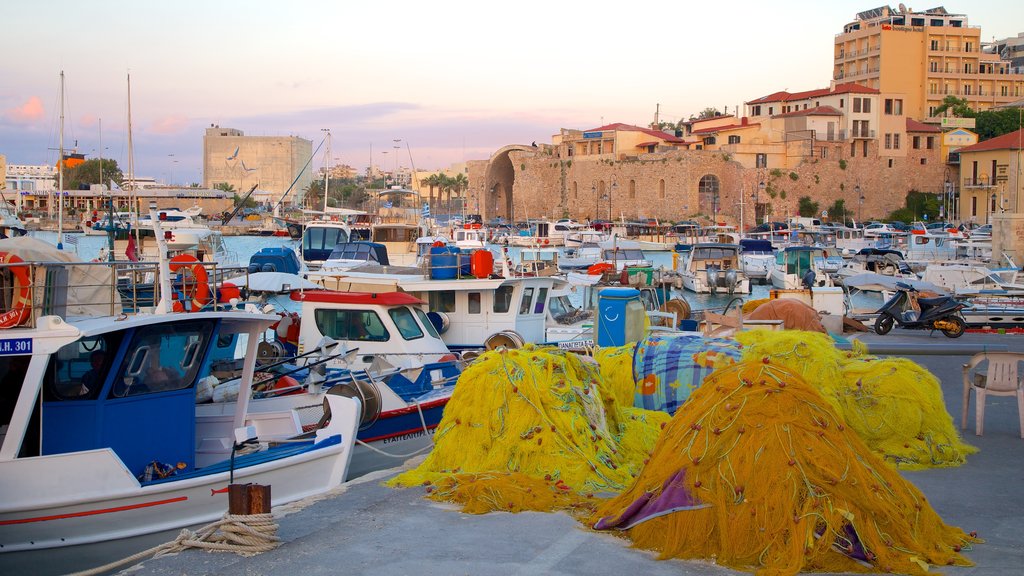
column 246, row 169
column 235, row 155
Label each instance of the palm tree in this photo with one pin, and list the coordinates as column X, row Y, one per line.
column 445, row 186
column 461, row 184
column 432, row 181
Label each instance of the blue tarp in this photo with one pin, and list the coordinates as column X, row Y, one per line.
column 668, row 367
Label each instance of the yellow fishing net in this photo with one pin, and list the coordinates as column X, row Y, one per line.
column 893, row 404
column 758, row 472
column 751, row 305
column 537, row 418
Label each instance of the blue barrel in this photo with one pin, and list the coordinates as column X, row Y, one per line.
column 612, row 308
column 465, row 264
column 444, row 262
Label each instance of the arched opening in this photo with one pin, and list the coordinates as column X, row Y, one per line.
column 500, row 182
column 708, row 195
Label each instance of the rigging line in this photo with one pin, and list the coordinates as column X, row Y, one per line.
column 299, row 175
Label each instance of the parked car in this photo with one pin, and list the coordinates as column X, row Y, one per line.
column 982, row 231
column 770, row 226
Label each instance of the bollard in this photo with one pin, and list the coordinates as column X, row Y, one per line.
column 248, row 499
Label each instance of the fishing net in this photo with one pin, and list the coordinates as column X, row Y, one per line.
column 759, row 472
column 536, row 418
column 894, row 404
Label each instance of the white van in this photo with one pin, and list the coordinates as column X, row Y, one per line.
column 808, row 223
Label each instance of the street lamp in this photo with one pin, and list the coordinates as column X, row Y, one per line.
column 615, row 186
column 860, row 204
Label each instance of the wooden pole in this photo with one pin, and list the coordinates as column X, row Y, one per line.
column 248, row 499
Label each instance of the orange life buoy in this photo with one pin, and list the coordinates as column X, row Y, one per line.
column 21, row 307
column 546, row 241
column 600, row 268
column 197, row 292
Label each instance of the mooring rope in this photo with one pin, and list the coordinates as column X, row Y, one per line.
column 247, row 535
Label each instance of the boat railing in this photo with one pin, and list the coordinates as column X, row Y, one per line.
column 111, row 288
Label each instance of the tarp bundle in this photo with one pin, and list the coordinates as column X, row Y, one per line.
column 893, row 404
column 759, row 472
column 523, row 425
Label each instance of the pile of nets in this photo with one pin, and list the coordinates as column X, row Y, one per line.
column 758, row 472
column 534, row 429
column 894, row 404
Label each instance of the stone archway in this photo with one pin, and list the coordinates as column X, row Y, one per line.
column 499, row 183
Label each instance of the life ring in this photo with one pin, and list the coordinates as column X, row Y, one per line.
column 199, row 295
column 21, row 307
column 546, row 241
column 600, row 268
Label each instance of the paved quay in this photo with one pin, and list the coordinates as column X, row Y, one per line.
column 370, row 529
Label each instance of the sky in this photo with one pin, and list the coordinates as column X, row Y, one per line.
column 449, row 80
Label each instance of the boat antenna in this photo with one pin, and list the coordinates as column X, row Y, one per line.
column 327, row 164
column 60, row 177
column 110, row 202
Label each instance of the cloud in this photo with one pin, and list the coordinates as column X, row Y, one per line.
column 30, row 111
column 169, row 125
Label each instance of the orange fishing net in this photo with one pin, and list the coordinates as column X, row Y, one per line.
column 758, row 472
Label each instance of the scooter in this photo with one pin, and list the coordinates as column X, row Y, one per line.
column 940, row 313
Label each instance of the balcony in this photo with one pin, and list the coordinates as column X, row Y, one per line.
column 953, row 158
column 979, row 182
column 862, row 134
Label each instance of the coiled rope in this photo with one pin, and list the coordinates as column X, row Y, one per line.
column 246, row 535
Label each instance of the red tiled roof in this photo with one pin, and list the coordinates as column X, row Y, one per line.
column 816, row 111
column 630, row 128
column 727, row 128
column 783, row 96
column 1011, row 141
column 646, row 144
column 915, row 126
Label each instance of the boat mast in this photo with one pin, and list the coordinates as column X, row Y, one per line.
column 132, row 196
column 327, row 170
column 60, row 172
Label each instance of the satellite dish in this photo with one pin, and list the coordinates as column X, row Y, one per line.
column 903, row 9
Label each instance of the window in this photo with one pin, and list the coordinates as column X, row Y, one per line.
column 707, row 194
column 924, row 161
column 426, row 322
column 824, row 152
column 524, row 306
column 632, row 189
column 79, row 370
column 761, row 160
column 359, row 325
column 856, row 104
column 853, row 149
column 890, row 162
column 661, row 188
column 771, row 110
column 474, row 302
column 503, row 299
column 162, row 358
column 441, row 301
column 896, row 141
column 734, row 139
column 867, row 105
column 968, row 47
column 840, row 102
column 755, row 110
column 405, row 322
column 967, row 89
column 888, row 141
column 709, row 140
column 864, row 148
column 934, row 43
column 974, row 205
column 542, row 298
column 916, row 143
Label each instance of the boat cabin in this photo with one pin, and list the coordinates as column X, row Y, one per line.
column 348, row 255
column 319, row 237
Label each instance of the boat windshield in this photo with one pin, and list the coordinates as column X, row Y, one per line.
column 358, row 325
column 426, row 323
column 323, row 238
column 162, row 357
column 405, row 322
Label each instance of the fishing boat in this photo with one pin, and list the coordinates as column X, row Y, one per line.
column 100, row 438
column 713, row 268
column 757, row 258
column 10, row 224
column 797, row 266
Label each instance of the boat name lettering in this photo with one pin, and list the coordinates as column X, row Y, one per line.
column 405, row 437
column 575, row 344
column 15, row 346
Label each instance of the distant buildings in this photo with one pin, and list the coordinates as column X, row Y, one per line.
column 925, row 56
column 1009, row 49
column 273, row 162
column 992, row 177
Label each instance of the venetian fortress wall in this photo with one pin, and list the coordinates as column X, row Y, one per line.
column 665, row 185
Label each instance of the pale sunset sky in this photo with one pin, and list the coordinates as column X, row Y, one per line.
column 453, row 80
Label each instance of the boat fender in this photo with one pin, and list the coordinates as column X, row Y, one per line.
column 21, row 305
column 599, row 268
column 197, row 292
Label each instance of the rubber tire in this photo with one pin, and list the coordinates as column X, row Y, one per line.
column 884, row 323
column 961, row 327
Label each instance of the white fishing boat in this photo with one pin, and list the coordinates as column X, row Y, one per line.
column 100, row 439
column 713, row 268
column 757, row 258
column 798, row 266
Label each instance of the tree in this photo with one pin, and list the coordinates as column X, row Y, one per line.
column 249, row 202
column 837, row 212
column 313, row 195
column 807, row 207
column 918, row 205
column 88, row 172
column 224, row 187
column 992, row 123
column 432, row 182
column 958, row 106
column 460, row 183
column 709, row 112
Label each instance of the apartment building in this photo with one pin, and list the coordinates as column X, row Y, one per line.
column 991, row 175
column 1009, row 49
column 924, row 55
column 613, row 141
column 274, row 162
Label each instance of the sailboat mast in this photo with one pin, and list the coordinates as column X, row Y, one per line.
column 60, row 172
column 132, row 195
column 327, row 170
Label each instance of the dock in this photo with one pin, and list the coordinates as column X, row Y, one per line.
column 366, row 528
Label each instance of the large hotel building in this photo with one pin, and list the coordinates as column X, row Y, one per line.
column 925, row 56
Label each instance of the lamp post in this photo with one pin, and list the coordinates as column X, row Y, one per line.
column 615, row 186
column 860, row 205
column 597, row 201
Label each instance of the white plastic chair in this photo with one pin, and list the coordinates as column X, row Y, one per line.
column 1001, row 379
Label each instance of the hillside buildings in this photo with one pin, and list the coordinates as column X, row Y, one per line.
column 274, row 162
column 925, row 56
column 992, row 177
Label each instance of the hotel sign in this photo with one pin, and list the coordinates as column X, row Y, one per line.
column 957, row 122
column 903, row 28
column 592, row 134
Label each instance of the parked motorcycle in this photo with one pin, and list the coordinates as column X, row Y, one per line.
column 940, row 313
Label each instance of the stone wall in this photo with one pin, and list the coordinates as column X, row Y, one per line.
column 666, row 185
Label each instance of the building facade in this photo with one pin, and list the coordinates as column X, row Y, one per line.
column 991, row 176
column 273, row 162
column 925, row 56
column 1011, row 50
